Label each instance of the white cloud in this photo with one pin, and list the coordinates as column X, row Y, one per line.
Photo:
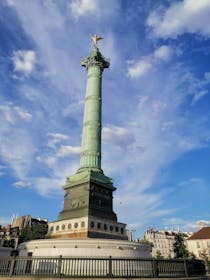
column 187, row 16
column 16, row 145
column 23, row 114
column 48, row 186
column 10, row 2
column 164, row 53
column 59, row 136
column 184, row 225
column 116, row 135
column 66, row 151
column 139, row 68
column 73, row 107
column 59, row 170
column 21, row 184
column 10, row 113
column 48, row 160
column 24, row 61
column 149, row 62
column 207, row 76
column 7, row 113
column 83, row 7
column 199, row 95
column 197, row 182
column 197, row 87
column 11, row 157
column 158, row 105
column 56, row 138
column 140, row 203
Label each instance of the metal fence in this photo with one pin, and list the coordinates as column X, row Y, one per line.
column 100, row 267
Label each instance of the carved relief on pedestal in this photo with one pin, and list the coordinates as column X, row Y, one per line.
column 73, row 202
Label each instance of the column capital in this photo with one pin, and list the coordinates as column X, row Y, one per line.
column 95, row 58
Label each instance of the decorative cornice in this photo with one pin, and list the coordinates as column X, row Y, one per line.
column 95, row 58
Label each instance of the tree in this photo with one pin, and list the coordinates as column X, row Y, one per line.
column 144, row 241
column 204, row 255
column 158, row 255
column 180, row 249
column 37, row 231
column 192, row 256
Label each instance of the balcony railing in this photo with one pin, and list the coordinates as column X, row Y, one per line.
column 100, row 267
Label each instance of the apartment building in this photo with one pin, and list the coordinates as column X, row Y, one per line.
column 199, row 243
column 163, row 241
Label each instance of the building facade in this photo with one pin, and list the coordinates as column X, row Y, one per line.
column 163, row 241
column 199, row 243
column 9, row 235
column 27, row 220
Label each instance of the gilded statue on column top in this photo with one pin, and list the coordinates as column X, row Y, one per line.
column 95, row 39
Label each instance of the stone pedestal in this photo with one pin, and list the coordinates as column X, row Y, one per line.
column 84, row 248
column 88, row 193
column 88, row 209
column 88, row 226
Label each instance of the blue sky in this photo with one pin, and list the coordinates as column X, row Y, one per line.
column 156, row 133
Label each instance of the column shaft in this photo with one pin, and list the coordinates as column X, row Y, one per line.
column 91, row 134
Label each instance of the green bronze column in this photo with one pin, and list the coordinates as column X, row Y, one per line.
column 89, row 192
column 90, row 157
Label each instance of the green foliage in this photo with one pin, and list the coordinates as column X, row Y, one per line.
column 158, row 255
column 180, row 249
column 35, row 232
column 204, row 255
column 192, row 256
column 144, row 241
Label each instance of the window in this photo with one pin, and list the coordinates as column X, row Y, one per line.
column 63, row 227
column 198, row 244
column 92, row 224
column 98, row 225
column 208, row 244
column 69, row 226
column 82, row 224
column 75, row 225
column 57, row 228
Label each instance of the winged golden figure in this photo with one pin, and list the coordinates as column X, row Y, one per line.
column 95, row 39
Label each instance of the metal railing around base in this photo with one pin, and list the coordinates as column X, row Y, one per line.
column 100, row 267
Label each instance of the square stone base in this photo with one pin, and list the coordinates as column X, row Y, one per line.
column 87, row 227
